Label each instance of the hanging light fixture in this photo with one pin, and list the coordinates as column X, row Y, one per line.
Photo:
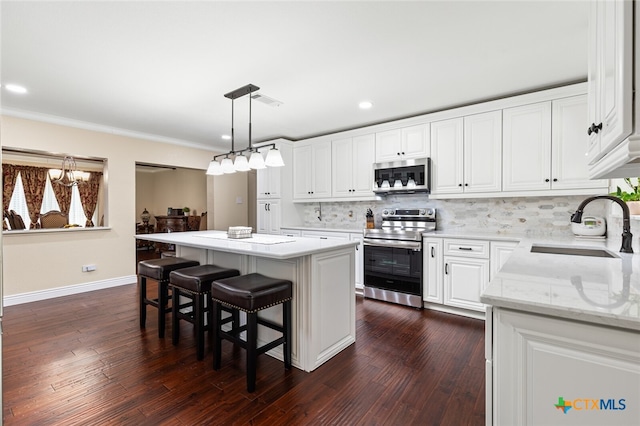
column 68, row 174
column 240, row 163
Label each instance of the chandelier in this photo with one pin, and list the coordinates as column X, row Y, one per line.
column 68, row 174
column 236, row 161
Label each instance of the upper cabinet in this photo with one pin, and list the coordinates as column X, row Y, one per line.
column 610, row 75
column 352, row 166
column 466, row 154
column 312, row 170
column 268, row 181
column 527, row 147
column 403, row 144
column 544, row 146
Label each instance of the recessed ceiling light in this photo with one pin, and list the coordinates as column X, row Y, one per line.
column 15, row 88
column 365, row 105
column 226, row 137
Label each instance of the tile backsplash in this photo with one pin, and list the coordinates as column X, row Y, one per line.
column 531, row 216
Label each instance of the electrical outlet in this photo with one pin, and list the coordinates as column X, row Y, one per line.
column 88, row 268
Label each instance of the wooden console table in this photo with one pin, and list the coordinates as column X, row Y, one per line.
column 171, row 223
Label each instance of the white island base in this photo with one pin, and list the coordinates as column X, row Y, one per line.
column 322, row 273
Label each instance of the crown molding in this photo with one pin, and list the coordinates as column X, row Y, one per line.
column 86, row 125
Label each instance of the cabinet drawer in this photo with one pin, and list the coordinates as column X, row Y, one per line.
column 325, row 235
column 466, row 248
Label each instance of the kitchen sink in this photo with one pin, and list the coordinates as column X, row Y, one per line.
column 573, row 251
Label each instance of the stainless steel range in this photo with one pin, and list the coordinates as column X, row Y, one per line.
column 393, row 256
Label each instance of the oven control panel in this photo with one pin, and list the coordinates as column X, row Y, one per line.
column 411, row 213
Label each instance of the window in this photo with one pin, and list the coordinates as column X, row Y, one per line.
column 39, row 170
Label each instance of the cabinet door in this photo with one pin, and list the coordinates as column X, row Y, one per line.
column 483, row 152
column 616, row 70
column 359, row 261
column 275, row 216
column 263, row 218
column 500, row 252
column 321, row 164
column 388, row 145
column 362, row 166
column 302, row 171
column 569, row 168
column 268, row 182
column 464, row 280
column 593, row 82
column 415, row 141
column 447, row 156
column 527, row 147
column 432, row 282
column 342, row 167
column 539, row 358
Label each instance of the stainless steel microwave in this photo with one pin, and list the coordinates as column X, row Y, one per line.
column 402, row 177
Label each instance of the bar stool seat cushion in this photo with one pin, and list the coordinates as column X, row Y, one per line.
column 251, row 292
column 197, row 279
column 159, row 269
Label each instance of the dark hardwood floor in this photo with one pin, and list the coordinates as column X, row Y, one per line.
column 82, row 359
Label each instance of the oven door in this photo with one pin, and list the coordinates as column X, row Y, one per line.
column 393, row 267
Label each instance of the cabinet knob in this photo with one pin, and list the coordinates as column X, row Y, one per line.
column 466, row 184
column 594, row 128
column 459, row 184
column 546, row 180
column 398, row 153
column 555, row 179
column 402, row 152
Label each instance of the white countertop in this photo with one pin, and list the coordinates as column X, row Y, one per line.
column 261, row 245
column 599, row 290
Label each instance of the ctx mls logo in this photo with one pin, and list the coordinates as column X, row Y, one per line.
column 580, row 404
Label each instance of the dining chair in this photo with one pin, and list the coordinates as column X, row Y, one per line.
column 53, row 219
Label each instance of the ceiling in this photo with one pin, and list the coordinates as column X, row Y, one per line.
column 162, row 68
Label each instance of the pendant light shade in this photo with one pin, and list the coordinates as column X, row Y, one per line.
column 214, row 169
column 256, row 161
column 274, row 158
column 241, row 164
column 227, row 166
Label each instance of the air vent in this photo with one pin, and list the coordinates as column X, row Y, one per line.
column 266, row 100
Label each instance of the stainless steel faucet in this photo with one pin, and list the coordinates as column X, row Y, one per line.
column 626, row 223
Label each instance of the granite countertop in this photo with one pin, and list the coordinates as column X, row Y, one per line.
column 605, row 291
column 260, row 245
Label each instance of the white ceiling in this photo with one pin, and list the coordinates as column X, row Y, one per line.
column 162, row 68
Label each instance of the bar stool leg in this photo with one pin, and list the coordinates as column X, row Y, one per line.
column 199, row 324
column 175, row 321
column 286, row 325
column 252, row 353
column 143, row 306
column 163, row 301
column 217, row 340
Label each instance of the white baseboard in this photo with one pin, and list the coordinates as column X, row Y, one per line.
column 34, row 296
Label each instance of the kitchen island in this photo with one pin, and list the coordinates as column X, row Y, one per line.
column 563, row 335
column 322, row 273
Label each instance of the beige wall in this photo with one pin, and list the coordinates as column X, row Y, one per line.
column 230, row 202
column 41, row 261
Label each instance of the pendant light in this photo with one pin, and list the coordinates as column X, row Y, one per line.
column 240, row 163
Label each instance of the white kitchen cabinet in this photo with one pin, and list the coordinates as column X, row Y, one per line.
column 432, row 269
column 352, row 166
column 466, row 272
column 467, row 154
column 312, row 170
column 569, row 169
column 402, row 144
column 537, row 362
column 269, row 216
column 483, row 152
column 447, row 146
column 610, row 75
column 268, row 181
column 359, row 260
column 526, row 138
column 500, row 252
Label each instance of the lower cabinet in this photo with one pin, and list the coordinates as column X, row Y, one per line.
column 456, row 271
column 545, row 370
column 466, row 272
column 268, row 217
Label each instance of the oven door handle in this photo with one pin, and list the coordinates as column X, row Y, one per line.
column 411, row 245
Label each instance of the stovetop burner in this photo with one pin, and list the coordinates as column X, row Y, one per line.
column 404, row 224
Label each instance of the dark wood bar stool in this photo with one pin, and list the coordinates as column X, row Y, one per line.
column 252, row 293
column 158, row 270
column 195, row 283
